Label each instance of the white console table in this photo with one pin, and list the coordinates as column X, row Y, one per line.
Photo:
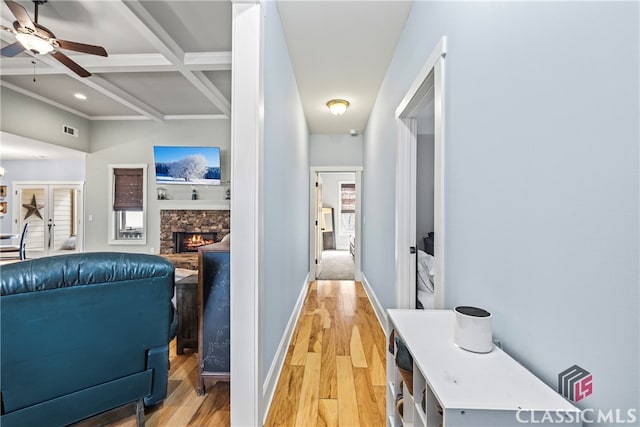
column 462, row 388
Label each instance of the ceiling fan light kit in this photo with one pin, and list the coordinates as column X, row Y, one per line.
column 338, row 106
column 40, row 41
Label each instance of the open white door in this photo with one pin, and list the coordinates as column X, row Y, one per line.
column 428, row 85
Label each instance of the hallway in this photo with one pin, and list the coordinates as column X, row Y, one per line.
column 334, row 371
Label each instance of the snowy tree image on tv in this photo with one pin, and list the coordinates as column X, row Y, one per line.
column 187, row 165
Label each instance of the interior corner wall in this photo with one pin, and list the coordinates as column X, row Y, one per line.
column 286, row 189
column 121, row 142
column 335, row 150
column 542, row 180
column 31, row 118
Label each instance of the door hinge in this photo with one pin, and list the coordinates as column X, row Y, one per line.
column 412, row 249
column 316, row 261
column 316, row 184
column 316, row 222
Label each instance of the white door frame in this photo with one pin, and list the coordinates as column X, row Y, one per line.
column 429, row 81
column 313, row 171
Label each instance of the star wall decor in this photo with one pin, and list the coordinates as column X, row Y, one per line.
column 33, row 208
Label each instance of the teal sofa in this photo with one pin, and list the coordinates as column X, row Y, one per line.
column 82, row 334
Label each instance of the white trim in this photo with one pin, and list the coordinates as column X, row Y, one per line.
column 247, row 132
column 415, row 94
column 271, row 380
column 177, row 205
column 381, row 313
column 196, row 117
column 430, row 80
column 313, row 171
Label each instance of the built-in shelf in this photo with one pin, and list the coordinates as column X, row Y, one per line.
column 455, row 387
column 216, row 205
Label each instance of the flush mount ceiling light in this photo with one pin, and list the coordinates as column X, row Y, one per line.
column 80, row 96
column 338, row 106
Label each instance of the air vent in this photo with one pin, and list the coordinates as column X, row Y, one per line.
column 69, row 130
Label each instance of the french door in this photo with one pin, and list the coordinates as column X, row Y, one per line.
column 54, row 211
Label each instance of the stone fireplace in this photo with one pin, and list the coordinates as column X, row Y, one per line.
column 211, row 225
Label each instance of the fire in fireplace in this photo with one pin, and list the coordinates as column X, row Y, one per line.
column 190, row 241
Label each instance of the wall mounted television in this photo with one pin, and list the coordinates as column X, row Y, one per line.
column 187, row 165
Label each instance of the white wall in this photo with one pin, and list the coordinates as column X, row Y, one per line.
column 114, row 142
column 424, row 188
column 35, row 119
column 36, row 170
column 286, row 188
column 542, row 179
column 330, row 199
column 335, row 150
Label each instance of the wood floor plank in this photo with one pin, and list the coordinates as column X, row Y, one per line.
column 307, row 415
column 302, row 342
column 315, row 337
column 328, row 379
column 377, row 372
column 347, row 401
column 328, row 413
column 286, row 397
column 366, row 397
column 358, row 358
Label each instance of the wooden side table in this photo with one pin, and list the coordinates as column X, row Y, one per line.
column 187, row 307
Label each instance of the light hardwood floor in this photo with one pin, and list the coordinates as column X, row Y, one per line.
column 334, row 371
column 333, row 374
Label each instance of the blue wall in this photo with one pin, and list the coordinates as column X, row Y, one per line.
column 286, row 188
column 542, row 179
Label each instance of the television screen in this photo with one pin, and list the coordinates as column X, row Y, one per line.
column 187, row 165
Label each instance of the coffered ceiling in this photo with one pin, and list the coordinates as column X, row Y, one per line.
column 167, row 59
column 171, row 59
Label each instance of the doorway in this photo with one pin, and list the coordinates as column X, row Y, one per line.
column 54, row 211
column 427, row 88
column 334, row 243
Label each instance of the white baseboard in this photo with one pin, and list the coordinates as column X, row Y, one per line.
column 271, row 380
column 381, row 314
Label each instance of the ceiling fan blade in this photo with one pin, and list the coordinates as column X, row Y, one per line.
column 11, row 50
column 21, row 15
column 81, row 47
column 70, row 64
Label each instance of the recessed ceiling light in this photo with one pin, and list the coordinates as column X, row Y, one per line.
column 81, row 96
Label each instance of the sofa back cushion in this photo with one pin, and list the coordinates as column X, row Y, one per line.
column 73, row 321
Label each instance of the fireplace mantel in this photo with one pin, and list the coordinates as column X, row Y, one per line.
column 210, row 205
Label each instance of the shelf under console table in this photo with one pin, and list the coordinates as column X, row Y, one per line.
column 453, row 387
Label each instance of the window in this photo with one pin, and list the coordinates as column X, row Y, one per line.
column 128, row 197
column 347, row 200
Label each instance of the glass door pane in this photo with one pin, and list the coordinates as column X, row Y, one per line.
column 33, row 209
column 63, row 226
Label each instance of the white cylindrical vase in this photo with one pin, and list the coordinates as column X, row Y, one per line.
column 472, row 330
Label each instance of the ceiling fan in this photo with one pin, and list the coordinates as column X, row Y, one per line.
column 39, row 40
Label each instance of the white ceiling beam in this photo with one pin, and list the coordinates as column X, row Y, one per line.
column 208, row 61
column 123, row 63
column 156, row 35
